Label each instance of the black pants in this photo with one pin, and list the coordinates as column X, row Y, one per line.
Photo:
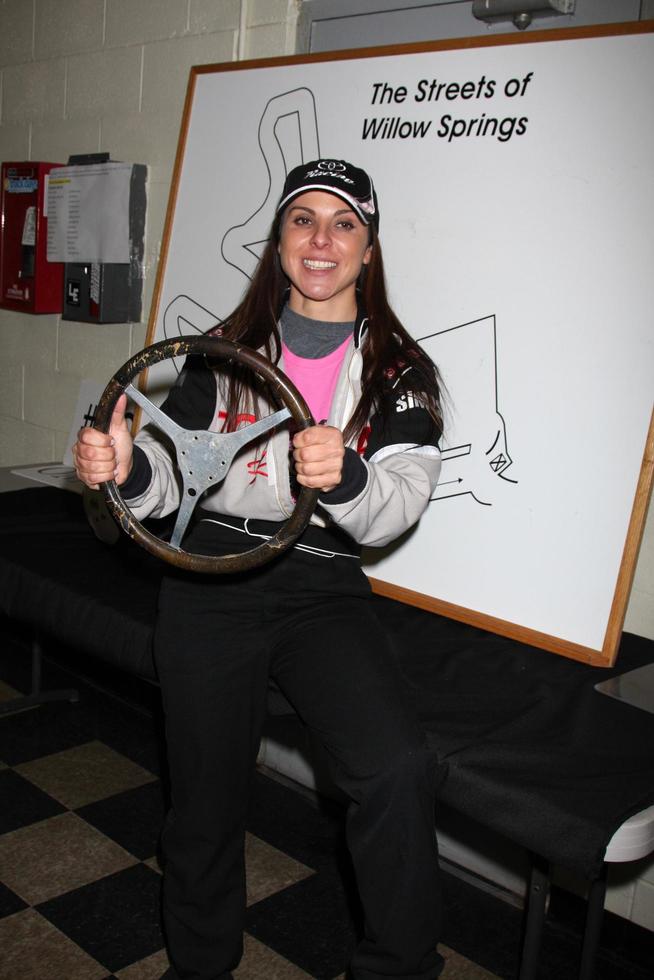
column 306, row 621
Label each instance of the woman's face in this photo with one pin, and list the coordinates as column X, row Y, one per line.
column 322, row 247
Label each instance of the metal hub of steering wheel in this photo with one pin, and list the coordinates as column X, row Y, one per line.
column 204, row 458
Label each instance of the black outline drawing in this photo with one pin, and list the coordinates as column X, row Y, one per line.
column 298, row 105
column 287, row 136
column 476, row 450
column 185, row 310
column 239, row 244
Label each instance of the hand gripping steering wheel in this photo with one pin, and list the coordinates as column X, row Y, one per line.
column 204, row 458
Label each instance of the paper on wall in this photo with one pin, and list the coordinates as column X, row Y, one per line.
column 88, row 213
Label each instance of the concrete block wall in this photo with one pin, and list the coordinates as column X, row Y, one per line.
column 82, row 76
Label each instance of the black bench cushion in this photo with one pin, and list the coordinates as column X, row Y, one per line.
column 532, row 750
column 528, row 747
column 56, row 576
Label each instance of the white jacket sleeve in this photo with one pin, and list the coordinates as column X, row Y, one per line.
column 385, row 490
column 400, row 481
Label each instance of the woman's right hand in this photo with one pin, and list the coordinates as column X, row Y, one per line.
column 100, row 457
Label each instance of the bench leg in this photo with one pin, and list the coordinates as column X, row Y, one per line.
column 37, row 696
column 594, row 914
column 534, row 917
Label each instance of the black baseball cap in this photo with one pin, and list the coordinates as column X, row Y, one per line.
column 338, row 177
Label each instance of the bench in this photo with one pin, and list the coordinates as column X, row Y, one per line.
column 530, row 749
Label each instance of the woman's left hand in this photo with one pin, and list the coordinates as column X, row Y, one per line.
column 318, row 453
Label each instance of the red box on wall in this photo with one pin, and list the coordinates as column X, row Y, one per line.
column 28, row 282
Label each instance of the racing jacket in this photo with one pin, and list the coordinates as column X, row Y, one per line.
column 389, row 472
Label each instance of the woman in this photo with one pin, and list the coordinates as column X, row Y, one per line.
column 317, row 304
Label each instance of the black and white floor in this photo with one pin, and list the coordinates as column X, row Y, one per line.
column 81, row 806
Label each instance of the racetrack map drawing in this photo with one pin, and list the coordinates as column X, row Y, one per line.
column 474, row 446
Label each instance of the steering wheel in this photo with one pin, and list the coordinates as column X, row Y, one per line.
column 204, row 458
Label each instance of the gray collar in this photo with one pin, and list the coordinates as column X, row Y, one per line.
column 312, row 338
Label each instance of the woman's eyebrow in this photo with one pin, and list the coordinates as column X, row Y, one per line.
column 302, row 207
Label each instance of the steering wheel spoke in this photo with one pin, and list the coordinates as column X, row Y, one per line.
column 256, row 429
column 156, row 416
column 204, row 458
column 184, row 515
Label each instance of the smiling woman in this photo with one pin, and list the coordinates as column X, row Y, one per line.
column 317, row 304
column 322, row 249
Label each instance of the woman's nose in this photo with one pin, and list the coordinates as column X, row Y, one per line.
column 321, row 236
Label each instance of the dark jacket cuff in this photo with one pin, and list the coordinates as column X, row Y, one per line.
column 140, row 476
column 353, row 480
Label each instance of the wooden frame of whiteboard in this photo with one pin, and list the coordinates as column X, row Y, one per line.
column 608, row 652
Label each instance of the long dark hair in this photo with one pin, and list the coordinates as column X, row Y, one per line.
column 388, row 349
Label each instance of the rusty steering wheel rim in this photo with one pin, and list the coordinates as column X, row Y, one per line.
column 282, row 389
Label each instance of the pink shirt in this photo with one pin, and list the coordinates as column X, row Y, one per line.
column 315, row 378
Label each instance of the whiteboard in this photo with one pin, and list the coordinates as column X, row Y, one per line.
column 517, row 205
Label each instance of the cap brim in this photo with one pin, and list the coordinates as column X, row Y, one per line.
column 365, row 218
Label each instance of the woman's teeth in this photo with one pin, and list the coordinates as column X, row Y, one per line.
column 318, row 264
